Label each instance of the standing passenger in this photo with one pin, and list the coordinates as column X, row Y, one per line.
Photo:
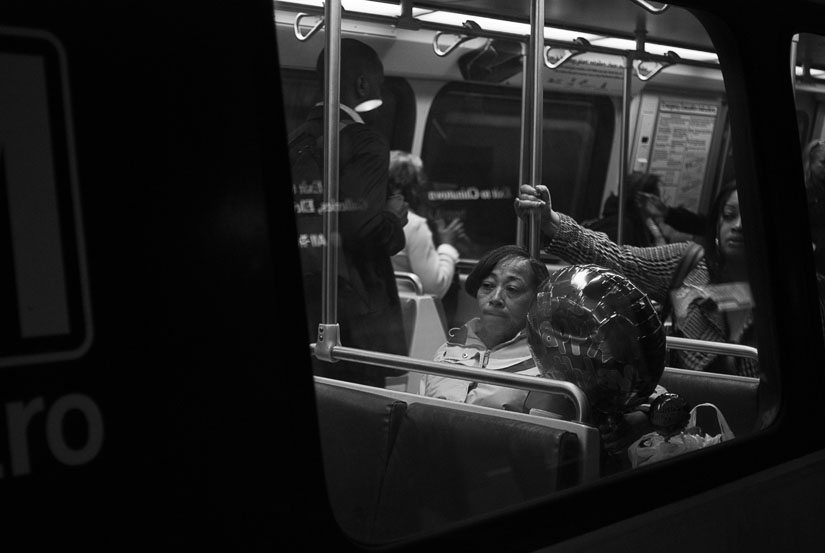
column 434, row 265
column 370, row 222
column 651, row 269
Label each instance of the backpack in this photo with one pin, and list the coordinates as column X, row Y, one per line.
column 306, row 160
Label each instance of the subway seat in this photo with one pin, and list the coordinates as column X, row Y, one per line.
column 395, row 469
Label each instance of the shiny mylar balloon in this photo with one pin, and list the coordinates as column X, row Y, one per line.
column 594, row 328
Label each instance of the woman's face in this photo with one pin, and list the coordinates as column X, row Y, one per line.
column 729, row 230
column 504, row 298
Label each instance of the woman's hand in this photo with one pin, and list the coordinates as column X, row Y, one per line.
column 451, row 233
column 652, row 206
column 537, row 200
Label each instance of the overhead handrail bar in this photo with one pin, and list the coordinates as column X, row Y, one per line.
column 721, row 348
column 672, row 56
column 502, row 378
column 297, row 26
column 569, row 53
column 480, row 32
column 650, row 7
column 568, row 389
column 462, row 38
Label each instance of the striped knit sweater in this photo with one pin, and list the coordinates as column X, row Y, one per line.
column 651, row 270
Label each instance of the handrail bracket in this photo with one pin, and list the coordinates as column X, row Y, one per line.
column 314, row 29
column 469, row 24
column 647, row 75
column 568, row 54
column 328, row 339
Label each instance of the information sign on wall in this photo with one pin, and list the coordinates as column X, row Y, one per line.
column 674, row 137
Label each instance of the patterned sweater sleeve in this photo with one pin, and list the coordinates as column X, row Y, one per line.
column 648, row 268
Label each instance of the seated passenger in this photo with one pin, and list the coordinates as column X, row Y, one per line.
column 651, row 270
column 648, row 220
column 504, row 282
column 433, row 260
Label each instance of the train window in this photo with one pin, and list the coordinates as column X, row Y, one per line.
column 402, row 460
column 471, row 149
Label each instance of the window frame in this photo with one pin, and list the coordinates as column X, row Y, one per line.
column 755, row 104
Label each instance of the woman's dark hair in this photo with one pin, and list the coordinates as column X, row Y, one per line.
column 714, row 262
column 489, row 261
column 406, row 175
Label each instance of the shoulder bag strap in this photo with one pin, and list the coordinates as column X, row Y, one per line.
column 690, row 258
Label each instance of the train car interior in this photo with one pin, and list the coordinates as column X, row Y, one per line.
column 639, row 89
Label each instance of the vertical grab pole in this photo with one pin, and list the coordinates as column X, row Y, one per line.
column 328, row 329
column 794, row 54
column 623, row 145
column 534, row 126
column 523, row 170
column 624, row 138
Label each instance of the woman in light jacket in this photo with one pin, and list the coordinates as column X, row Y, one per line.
column 434, row 264
column 504, row 282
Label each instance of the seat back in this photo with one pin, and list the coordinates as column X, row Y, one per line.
column 451, row 465
column 358, row 431
column 736, row 396
column 398, row 464
column 425, row 324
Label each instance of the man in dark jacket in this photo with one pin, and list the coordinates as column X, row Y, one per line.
column 370, row 224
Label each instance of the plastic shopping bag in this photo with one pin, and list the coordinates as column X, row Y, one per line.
column 653, row 447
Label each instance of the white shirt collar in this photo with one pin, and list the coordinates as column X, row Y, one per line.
column 349, row 111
